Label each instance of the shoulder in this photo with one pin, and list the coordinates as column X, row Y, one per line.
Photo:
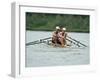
column 54, row 32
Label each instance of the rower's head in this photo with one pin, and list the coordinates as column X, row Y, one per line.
column 63, row 29
column 57, row 28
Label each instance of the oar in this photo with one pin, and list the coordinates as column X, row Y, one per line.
column 46, row 38
column 32, row 43
column 72, row 42
column 37, row 41
column 77, row 41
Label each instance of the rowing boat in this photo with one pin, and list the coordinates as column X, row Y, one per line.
column 48, row 41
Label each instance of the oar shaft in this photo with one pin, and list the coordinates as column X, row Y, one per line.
column 72, row 42
column 45, row 38
column 37, row 41
column 77, row 41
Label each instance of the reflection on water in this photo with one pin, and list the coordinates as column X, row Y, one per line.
column 46, row 55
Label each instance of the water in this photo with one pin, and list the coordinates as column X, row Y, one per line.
column 46, row 55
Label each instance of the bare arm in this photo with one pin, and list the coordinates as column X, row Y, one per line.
column 53, row 34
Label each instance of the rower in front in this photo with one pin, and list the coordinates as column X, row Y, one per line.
column 62, row 37
column 59, row 37
column 55, row 40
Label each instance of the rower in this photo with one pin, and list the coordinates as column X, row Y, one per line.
column 55, row 36
column 62, row 37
